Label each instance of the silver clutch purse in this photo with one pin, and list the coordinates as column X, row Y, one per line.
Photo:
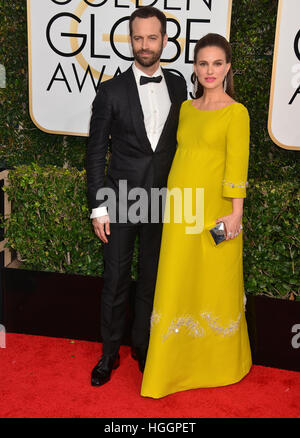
column 218, row 233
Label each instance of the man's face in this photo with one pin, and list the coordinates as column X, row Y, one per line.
column 147, row 41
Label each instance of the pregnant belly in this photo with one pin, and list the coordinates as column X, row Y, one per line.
column 190, row 169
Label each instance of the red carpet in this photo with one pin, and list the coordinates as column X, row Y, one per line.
column 50, row 378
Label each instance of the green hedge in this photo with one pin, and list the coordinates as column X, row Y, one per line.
column 51, row 230
column 252, row 37
column 49, row 226
column 271, row 239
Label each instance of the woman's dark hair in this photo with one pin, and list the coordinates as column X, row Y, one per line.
column 216, row 40
column 148, row 12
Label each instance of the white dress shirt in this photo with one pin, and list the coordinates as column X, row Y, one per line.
column 156, row 103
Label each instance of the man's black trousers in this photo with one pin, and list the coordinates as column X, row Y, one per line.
column 118, row 254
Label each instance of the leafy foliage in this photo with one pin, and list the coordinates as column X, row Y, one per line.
column 271, row 240
column 50, row 226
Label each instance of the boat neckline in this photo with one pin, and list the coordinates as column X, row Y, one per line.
column 208, row 111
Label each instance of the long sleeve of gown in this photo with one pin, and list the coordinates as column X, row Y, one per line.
column 237, row 154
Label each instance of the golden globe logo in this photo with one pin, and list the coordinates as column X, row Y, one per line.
column 76, row 44
column 296, row 68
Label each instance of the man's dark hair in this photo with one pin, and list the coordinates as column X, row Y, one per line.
column 148, row 12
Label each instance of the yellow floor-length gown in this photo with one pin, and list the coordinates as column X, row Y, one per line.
column 199, row 334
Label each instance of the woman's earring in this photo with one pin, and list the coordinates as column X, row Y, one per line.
column 225, row 83
column 195, row 86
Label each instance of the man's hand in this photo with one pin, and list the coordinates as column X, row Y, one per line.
column 101, row 227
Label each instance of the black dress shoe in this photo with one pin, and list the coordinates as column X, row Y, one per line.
column 102, row 371
column 133, row 353
column 140, row 355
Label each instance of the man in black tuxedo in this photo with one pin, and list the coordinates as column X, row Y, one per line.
column 136, row 113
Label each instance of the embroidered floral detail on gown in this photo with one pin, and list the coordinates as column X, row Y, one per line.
column 199, row 335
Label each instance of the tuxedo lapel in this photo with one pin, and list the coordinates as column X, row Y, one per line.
column 170, row 86
column 172, row 112
column 136, row 110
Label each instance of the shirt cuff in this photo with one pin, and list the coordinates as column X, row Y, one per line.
column 98, row 212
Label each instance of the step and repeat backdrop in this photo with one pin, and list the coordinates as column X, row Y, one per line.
column 74, row 45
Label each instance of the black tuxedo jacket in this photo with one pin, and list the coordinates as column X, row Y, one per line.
column 117, row 121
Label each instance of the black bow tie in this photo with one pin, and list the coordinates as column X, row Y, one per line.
column 145, row 79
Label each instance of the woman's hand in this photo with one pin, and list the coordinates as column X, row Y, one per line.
column 232, row 224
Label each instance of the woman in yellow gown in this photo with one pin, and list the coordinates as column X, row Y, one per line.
column 199, row 334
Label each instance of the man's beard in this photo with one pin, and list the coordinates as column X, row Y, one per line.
column 151, row 60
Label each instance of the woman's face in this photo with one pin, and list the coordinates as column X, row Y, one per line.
column 211, row 67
